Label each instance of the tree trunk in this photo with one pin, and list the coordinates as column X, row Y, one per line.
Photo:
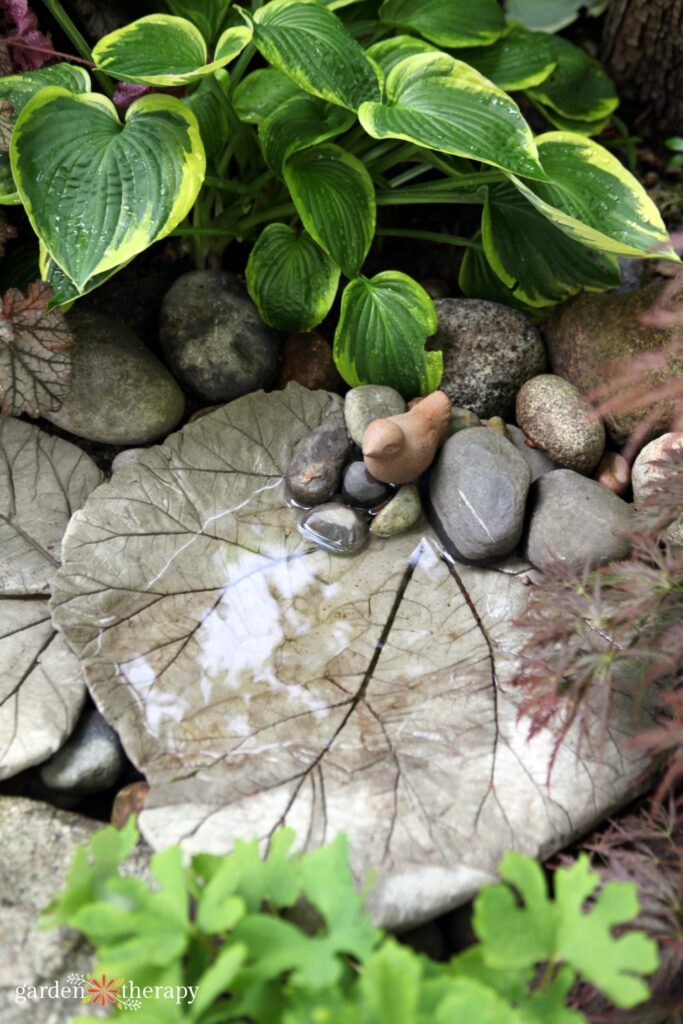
column 642, row 49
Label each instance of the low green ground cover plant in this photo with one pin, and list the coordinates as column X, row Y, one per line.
column 293, row 125
column 285, row 938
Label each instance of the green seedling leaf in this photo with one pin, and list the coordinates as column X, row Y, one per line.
column 389, row 986
column 208, row 103
column 538, row 262
column 261, row 93
column 217, row 978
column 445, row 22
column 335, row 198
column 515, row 936
column 291, row 280
column 161, row 49
column 440, row 103
column 383, row 326
column 578, row 87
column 208, row 15
column 309, row 43
column 98, row 192
column 520, row 60
column 591, row 197
column 297, row 123
column 472, row 1002
column 15, row 92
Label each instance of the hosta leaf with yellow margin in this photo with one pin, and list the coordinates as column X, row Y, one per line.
column 98, row 192
column 383, row 325
column 537, row 261
column 578, row 86
column 161, row 49
column 17, row 90
column 441, row 103
column 520, row 60
column 447, row 22
column 593, row 198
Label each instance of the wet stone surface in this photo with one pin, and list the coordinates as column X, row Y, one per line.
column 367, row 403
column 360, row 488
column 314, row 474
column 336, row 527
column 258, row 680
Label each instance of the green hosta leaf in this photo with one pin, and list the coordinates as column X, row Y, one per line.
column 64, row 290
column 310, row 44
column 161, row 49
column 537, row 261
column 383, row 326
column 594, row 199
column 578, row 87
column 387, row 53
column 569, row 124
column 291, row 280
column 98, row 192
column 447, row 22
column 440, row 103
column 17, row 90
column 208, row 103
column 561, row 930
column 207, row 15
column 262, row 92
column 550, row 15
column 478, row 280
column 335, row 198
column 300, row 122
column 519, row 60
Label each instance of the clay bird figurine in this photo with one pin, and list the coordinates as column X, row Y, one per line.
column 398, row 449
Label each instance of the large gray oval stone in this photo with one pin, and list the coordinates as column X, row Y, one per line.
column 477, row 490
column 120, row 392
column 575, row 520
column 213, row 338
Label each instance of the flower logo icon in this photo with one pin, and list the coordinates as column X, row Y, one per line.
column 102, row 991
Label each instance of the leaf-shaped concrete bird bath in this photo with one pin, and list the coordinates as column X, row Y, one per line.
column 257, row 680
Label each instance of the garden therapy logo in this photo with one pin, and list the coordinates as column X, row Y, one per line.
column 126, row 995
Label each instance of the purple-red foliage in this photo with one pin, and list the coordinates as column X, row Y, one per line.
column 23, row 47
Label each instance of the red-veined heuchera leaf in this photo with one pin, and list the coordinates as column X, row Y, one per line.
column 35, row 363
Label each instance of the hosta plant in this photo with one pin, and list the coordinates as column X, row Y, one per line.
column 294, row 124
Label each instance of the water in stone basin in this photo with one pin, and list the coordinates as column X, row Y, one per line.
column 257, row 679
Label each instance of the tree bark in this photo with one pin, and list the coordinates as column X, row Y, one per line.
column 642, row 49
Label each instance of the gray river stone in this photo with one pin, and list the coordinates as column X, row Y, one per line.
column 314, row 474
column 257, row 680
column 91, row 760
column 367, row 403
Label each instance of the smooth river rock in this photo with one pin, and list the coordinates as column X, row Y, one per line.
column 314, row 474
column 360, row 488
column 335, row 527
column 589, row 334
column 646, row 474
column 575, row 520
column 537, row 461
column 367, row 403
column 488, row 350
column 120, row 392
column 91, row 760
column 477, row 489
column 399, row 514
column 213, row 338
column 557, row 418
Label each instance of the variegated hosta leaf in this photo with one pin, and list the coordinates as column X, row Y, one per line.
column 593, row 198
column 448, row 22
column 17, row 90
column 161, row 49
column 262, row 92
column 441, row 103
column 299, row 122
column 578, row 87
column 98, row 192
column 519, row 60
column 258, row 681
column 208, row 15
column 35, row 363
column 310, row 44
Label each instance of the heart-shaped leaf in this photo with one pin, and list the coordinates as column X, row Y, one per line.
column 262, row 92
column 447, row 22
column 209, row 105
column 310, row 44
column 591, row 197
column 291, row 280
column 64, row 291
column 383, row 325
column 519, row 60
column 440, row 103
column 578, row 86
column 387, row 53
column 17, row 90
column 300, row 122
column 161, row 49
column 478, row 280
column 335, row 198
column 537, row 261
column 98, row 192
